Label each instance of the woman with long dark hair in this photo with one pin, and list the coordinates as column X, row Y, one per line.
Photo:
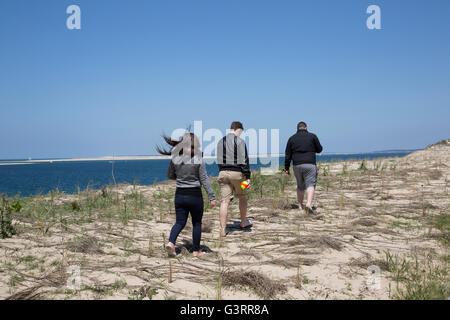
column 189, row 171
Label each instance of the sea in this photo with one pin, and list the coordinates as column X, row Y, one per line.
column 70, row 176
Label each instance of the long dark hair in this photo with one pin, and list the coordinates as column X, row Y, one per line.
column 188, row 140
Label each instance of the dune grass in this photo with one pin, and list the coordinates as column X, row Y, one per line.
column 125, row 227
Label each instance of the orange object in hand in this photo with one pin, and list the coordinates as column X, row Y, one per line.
column 244, row 185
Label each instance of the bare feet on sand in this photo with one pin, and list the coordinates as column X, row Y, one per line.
column 247, row 224
column 310, row 210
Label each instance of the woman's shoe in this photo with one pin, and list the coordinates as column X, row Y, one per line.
column 198, row 253
column 170, row 248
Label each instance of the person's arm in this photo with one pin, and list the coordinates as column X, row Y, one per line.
column 219, row 153
column 287, row 156
column 204, row 180
column 171, row 171
column 245, row 168
column 317, row 144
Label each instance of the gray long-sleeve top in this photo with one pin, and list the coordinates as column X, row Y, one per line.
column 190, row 173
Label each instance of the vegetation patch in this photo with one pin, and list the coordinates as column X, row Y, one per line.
column 365, row 222
column 418, row 278
column 256, row 281
column 84, row 244
column 7, row 229
column 318, row 241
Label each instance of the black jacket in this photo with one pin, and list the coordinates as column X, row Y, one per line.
column 232, row 155
column 302, row 148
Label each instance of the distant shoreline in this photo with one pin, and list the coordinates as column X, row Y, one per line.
column 121, row 158
column 107, row 158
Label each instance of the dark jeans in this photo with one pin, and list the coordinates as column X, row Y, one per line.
column 185, row 204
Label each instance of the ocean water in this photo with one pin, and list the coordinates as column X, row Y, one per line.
column 41, row 178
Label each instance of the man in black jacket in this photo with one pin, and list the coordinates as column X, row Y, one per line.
column 232, row 159
column 301, row 149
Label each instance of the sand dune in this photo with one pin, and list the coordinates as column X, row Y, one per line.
column 371, row 215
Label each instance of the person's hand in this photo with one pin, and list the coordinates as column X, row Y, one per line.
column 213, row 203
column 248, row 180
column 287, row 172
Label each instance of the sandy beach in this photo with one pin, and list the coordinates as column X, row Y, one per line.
column 372, row 217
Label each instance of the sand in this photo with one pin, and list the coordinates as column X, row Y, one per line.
column 362, row 215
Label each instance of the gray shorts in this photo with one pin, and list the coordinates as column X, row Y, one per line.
column 306, row 175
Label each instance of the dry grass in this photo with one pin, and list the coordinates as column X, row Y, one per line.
column 274, row 203
column 365, row 262
column 264, row 287
column 365, row 222
column 115, row 238
column 444, row 142
column 434, row 174
column 84, row 244
column 31, row 293
column 293, row 263
column 55, row 278
column 314, row 241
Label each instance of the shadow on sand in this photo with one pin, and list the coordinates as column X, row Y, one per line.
column 188, row 246
column 236, row 226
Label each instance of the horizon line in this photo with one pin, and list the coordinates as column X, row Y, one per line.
column 162, row 157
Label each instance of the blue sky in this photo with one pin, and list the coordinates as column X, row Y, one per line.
column 138, row 68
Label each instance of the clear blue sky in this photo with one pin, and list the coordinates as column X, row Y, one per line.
column 141, row 67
